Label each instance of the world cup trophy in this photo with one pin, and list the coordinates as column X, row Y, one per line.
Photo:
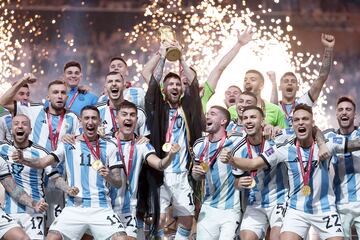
column 167, row 34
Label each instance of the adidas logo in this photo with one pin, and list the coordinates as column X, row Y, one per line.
column 339, row 230
column 40, row 233
column 72, row 147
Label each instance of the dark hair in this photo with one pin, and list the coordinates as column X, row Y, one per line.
column 249, row 94
column 56, row 82
column 254, row 108
column 171, row 75
column 256, row 72
column 127, row 104
column 288, row 74
column 118, row 58
column 225, row 112
column 25, row 85
column 72, row 64
column 234, row 86
column 346, row 99
column 303, row 106
column 89, row 107
column 114, row 73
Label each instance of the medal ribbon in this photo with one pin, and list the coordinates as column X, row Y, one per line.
column 305, row 175
column 171, row 126
column 72, row 100
column 123, row 157
column 113, row 118
column 95, row 153
column 54, row 138
column 206, row 148
column 284, row 109
column 253, row 173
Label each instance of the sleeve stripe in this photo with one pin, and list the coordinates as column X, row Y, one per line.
column 116, row 166
column 4, row 176
column 149, row 153
column 56, row 157
column 265, row 160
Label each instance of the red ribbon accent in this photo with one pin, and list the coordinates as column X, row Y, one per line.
column 72, row 100
column 170, row 128
column 123, row 157
column 284, row 109
column 54, row 138
column 113, row 118
column 254, row 172
column 95, row 153
column 205, row 150
column 305, row 175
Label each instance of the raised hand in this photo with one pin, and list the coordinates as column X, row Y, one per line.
column 271, row 75
column 175, row 148
column 225, row 155
column 324, row 152
column 245, row 36
column 17, row 156
column 327, row 40
column 28, row 78
column 41, row 206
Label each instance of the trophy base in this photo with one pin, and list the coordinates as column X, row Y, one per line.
column 173, row 54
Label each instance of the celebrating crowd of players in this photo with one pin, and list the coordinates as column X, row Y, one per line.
column 252, row 170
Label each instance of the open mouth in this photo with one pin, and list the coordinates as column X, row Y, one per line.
column 20, row 133
column 250, row 127
column 248, row 88
column 114, row 90
column 174, row 93
column 302, row 130
column 127, row 124
column 344, row 118
column 231, row 100
column 289, row 89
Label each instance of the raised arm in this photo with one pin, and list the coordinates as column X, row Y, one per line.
column 7, row 99
column 39, row 163
column 242, row 40
column 274, row 92
column 161, row 164
column 328, row 41
column 21, row 196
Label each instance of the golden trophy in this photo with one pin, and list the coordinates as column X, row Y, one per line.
column 168, row 35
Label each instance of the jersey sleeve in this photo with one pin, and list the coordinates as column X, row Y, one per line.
column 141, row 127
column 27, row 108
column 306, row 99
column 59, row 153
column 4, row 169
column 146, row 150
column 114, row 158
column 2, row 128
column 272, row 156
column 337, row 144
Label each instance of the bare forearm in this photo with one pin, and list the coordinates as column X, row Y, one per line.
column 188, row 72
column 353, row 145
column 114, row 178
column 6, row 100
column 274, row 94
column 17, row 193
column 150, row 66
column 158, row 72
column 319, row 136
column 60, row 183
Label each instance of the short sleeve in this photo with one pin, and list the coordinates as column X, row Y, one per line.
column 59, row 153
column 4, row 169
column 305, row 99
column 114, row 158
column 146, row 150
column 272, row 156
column 337, row 144
column 141, row 127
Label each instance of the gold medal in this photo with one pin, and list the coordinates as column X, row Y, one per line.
column 166, row 147
column 96, row 165
column 253, row 183
column 306, row 190
column 204, row 166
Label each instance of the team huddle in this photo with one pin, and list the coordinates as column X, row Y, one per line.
column 79, row 166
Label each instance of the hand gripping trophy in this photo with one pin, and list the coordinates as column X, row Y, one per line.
column 167, row 34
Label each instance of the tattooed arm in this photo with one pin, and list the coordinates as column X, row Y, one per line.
column 21, row 196
column 352, row 145
column 38, row 163
column 61, row 184
column 112, row 176
column 328, row 42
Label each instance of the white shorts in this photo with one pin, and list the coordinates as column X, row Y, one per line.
column 349, row 215
column 33, row 224
column 130, row 224
column 73, row 222
column 56, row 200
column 6, row 223
column 216, row 223
column 176, row 191
column 258, row 219
column 326, row 224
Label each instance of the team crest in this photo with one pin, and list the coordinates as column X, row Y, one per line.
column 269, row 152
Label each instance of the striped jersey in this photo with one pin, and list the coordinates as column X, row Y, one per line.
column 93, row 189
column 5, row 126
column 321, row 198
column 108, row 123
column 347, row 171
column 4, row 169
column 135, row 95
column 124, row 199
column 40, row 125
column 234, row 127
column 289, row 108
column 179, row 136
column 29, row 179
column 219, row 189
column 271, row 183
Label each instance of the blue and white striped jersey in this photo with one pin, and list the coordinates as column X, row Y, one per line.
column 347, row 171
column 219, row 189
column 135, row 95
column 4, row 169
column 93, row 189
column 40, row 126
column 29, row 179
column 271, row 183
column 179, row 136
column 5, row 126
column 108, row 125
column 234, row 127
column 321, row 198
column 304, row 99
column 124, row 199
